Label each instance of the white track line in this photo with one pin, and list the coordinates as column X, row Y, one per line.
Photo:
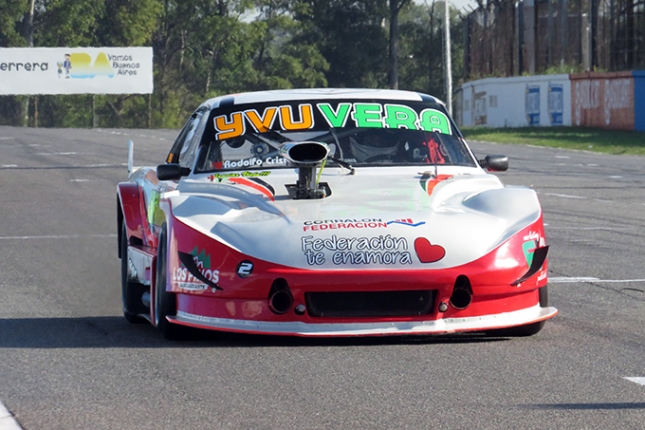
column 637, row 379
column 579, row 279
column 7, row 422
column 67, row 236
column 564, row 196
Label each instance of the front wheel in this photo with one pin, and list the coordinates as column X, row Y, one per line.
column 165, row 302
column 131, row 292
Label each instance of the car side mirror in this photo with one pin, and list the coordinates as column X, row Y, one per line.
column 171, row 171
column 494, row 163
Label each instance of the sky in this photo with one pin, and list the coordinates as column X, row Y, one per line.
column 461, row 4
column 468, row 5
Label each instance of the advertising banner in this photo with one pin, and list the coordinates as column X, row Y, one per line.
column 639, row 100
column 604, row 100
column 31, row 71
column 519, row 101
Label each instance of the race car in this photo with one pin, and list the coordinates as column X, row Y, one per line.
column 330, row 212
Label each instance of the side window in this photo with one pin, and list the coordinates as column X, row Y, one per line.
column 173, row 156
column 179, row 153
column 193, row 138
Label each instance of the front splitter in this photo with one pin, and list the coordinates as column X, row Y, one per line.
column 440, row 326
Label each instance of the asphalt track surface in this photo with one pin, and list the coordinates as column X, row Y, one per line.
column 69, row 361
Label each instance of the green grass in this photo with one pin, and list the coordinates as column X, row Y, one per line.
column 587, row 139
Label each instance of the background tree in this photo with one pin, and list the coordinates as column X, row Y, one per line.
column 11, row 14
column 422, row 44
column 351, row 36
column 395, row 8
column 205, row 48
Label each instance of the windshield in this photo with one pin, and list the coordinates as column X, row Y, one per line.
column 359, row 133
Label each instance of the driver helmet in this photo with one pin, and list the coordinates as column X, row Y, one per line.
column 374, row 143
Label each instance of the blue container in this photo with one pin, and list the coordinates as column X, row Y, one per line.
column 639, row 100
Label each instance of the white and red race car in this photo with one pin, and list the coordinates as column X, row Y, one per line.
column 330, row 212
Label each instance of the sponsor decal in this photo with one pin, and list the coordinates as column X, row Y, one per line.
column 34, row 66
column 79, row 65
column 383, row 250
column 427, row 252
column 77, row 70
column 244, row 269
column 249, row 179
column 532, row 241
column 618, row 95
column 532, row 104
column 340, row 224
column 363, row 115
column 406, row 221
column 556, row 104
column 352, row 223
column 587, row 96
column 429, row 181
column 254, row 162
column 257, row 184
column 201, row 263
column 219, row 177
column 529, row 248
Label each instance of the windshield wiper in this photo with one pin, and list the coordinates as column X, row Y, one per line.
column 344, row 164
column 274, row 141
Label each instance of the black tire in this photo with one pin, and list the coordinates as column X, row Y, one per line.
column 165, row 303
column 131, row 292
column 525, row 330
column 521, row 331
column 544, row 296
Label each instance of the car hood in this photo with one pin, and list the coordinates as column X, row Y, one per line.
column 373, row 218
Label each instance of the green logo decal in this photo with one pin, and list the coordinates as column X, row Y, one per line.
column 398, row 116
column 433, row 120
column 529, row 248
column 368, row 115
column 336, row 119
column 202, row 258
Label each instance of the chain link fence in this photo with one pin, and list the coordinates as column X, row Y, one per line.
column 512, row 38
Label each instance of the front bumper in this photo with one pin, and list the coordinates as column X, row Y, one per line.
column 434, row 327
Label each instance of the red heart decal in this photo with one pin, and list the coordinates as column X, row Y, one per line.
column 427, row 252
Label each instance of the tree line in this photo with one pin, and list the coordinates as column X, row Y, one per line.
column 206, row 48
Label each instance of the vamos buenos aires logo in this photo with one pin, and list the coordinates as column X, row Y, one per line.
column 81, row 65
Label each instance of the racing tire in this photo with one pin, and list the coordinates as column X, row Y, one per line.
column 521, row 331
column 528, row 329
column 131, row 292
column 165, row 303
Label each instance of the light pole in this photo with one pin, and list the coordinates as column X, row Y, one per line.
column 447, row 61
